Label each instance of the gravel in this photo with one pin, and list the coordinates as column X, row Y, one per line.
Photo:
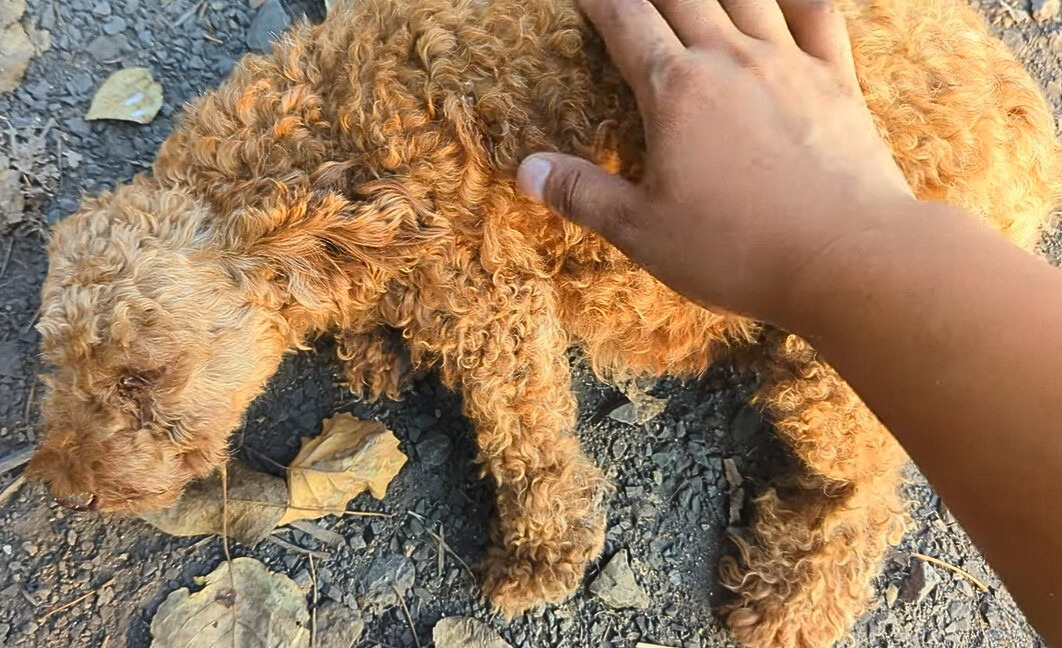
column 666, row 518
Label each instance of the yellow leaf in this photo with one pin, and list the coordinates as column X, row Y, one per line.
column 127, row 95
column 349, row 457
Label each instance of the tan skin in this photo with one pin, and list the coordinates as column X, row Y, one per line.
column 916, row 304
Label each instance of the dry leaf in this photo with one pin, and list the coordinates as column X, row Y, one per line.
column 127, row 95
column 347, row 458
column 16, row 51
column 249, row 606
column 256, row 501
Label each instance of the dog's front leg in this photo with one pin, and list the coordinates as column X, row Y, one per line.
column 502, row 345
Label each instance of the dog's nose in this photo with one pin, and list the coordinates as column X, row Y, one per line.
column 79, row 502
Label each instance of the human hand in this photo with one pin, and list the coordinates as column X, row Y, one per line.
column 762, row 157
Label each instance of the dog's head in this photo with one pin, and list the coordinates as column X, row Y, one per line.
column 154, row 352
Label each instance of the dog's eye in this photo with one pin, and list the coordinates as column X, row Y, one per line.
column 131, row 384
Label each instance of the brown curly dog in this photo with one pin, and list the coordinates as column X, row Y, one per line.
column 360, row 180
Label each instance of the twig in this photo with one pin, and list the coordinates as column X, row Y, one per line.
column 442, row 543
column 15, row 459
column 1011, row 10
column 321, row 534
column 213, row 39
column 958, row 570
column 225, row 543
column 177, row 23
column 106, row 642
column 442, row 553
column 312, row 509
column 34, row 603
column 50, row 613
column 11, row 489
column 280, row 542
column 7, row 257
column 29, row 401
column 409, row 618
column 199, row 543
column 313, row 610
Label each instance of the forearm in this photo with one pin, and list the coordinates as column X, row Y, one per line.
column 954, row 338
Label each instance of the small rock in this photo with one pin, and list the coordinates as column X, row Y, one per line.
column 646, row 406
column 114, row 26
column 434, row 449
column 107, row 48
column 891, row 594
column 384, row 577
column 270, row 22
column 746, row 424
column 338, row 626
column 464, row 632
column 616, row 587
column 920, row 583
column 626, row 413
column 1045, row 10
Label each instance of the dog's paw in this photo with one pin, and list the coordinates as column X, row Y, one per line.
column 514, row 584
column 521, row 578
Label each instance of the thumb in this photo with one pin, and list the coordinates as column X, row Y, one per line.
column 583, row 192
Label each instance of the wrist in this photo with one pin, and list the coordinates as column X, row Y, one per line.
column 884, row 246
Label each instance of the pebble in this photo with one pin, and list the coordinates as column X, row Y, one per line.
column 920, row 582
column 434, row 449
column 385, row 575
column 107, row 48
column 338, row 626
column 270, row 21
column 616, row 586
column 626, row 414
column 1045, row 10
column 114, row 26
column 465, row 632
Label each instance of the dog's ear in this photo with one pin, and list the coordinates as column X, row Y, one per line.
column 137, row 391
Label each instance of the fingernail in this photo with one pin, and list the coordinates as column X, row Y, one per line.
column 531, row 177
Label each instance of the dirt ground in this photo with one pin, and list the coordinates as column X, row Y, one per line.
column 671, row 503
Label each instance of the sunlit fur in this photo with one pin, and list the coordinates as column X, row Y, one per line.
column 359, row 181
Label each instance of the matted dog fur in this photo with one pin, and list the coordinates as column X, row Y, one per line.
column 360, row 180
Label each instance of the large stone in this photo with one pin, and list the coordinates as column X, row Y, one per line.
column 270, row 22
column 16, row 51
column 616, row 587
column 463, row 632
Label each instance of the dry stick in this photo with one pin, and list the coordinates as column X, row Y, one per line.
column 312, row 509
column 29, row 401
column 47, row 615
column 15, row 459
column 280, row 542
column 958, row 570
column 11, row 489
column 225, row 542
column 7, row 257
column 409, row 618
column 313, row 610
column 442, row 543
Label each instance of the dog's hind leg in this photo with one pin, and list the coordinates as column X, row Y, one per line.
column 375, row 363
column 820, row 535
column 498, row 340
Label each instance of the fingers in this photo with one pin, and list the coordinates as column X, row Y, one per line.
column 819, row 30
column 696, row 22
column 582, row 192
column 636, row 36
column 760, row 19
